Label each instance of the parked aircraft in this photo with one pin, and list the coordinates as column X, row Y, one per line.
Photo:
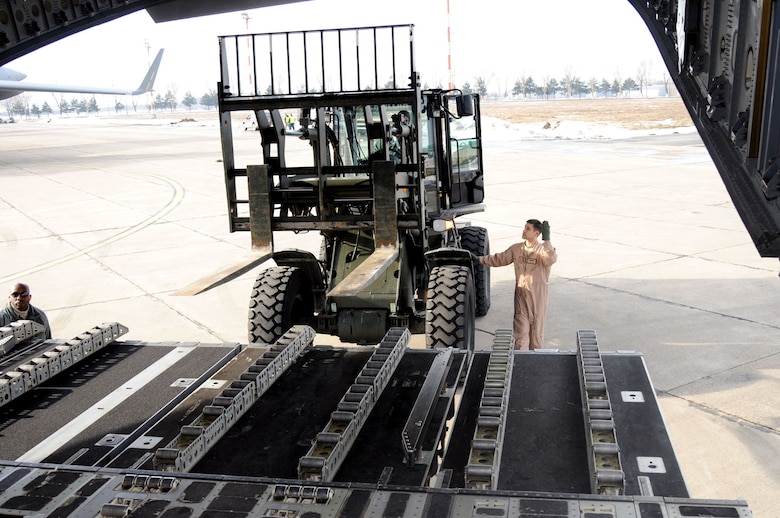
column 11, row 84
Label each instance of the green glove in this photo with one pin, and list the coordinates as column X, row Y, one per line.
column 474, row 258
column 545, row 230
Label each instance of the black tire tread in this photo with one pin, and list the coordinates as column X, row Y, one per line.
column 449, row 315
column 475, row 240
column 270, row 293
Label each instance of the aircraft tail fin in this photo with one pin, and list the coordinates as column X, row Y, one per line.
column 147, row 84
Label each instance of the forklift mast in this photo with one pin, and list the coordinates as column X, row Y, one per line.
column 347, row 89
column 353, row 147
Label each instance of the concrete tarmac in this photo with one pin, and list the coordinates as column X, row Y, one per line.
column 105, row 219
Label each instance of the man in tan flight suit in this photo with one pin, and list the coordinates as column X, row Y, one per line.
column 533, row 259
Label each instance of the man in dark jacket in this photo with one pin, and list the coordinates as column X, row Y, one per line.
column 19, row 308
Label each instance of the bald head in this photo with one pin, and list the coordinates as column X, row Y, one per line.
column 19, row 285
column 19, row 296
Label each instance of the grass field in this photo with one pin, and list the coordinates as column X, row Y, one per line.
column 628, row 113
column 633, row 114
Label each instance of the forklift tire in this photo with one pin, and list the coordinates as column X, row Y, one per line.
column 475, row 240
column 281, row 298
column 449, row 309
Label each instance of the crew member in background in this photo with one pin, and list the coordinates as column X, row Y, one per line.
column 400, row 136
column 19, row 308
column 533, row 260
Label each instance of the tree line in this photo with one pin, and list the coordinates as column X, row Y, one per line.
column 569, row 87
column 22, row 105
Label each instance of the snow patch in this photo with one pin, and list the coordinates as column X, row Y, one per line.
column 501, row 130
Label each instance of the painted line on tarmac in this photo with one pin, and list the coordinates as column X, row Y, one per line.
column 178, row 196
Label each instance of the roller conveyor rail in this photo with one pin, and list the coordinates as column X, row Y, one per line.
column 195, row 440
column 331, row 446
column 14, row 334
column 485, row 456
column 28, row 368
column 606, row 472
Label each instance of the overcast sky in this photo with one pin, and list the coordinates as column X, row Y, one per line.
column 498, row 40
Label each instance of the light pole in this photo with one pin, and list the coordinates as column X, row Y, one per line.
column 149, row 65
column 449, row 46
column 246, row 18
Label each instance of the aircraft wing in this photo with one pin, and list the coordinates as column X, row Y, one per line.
column 29, row 25
column 9, row 88
column 170, row 10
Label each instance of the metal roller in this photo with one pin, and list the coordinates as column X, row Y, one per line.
column 601, row 425
column 483, row 444
column 600, row 413
column 166, row 453
column 610, row 476
column 328, row 437
column 475, row 472
column 114, row 510
column 311, row 463
column 605, row 448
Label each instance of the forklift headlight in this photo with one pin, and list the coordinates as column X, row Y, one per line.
column 441, row 225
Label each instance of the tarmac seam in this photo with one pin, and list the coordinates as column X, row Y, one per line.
column 720, row 413
column 735, row 367
column 672, row 303
column 176, row 198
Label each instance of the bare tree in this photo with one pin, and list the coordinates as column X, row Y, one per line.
column 619, row 82
column 545, row 85
column 642, row 74
column 18, row 105
column 669, row 87
column 62, row 104
column 593, row 84
column 171, row 95
column 481, row 85
column 552, row 86
column 522, row 82
column 568, row 76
